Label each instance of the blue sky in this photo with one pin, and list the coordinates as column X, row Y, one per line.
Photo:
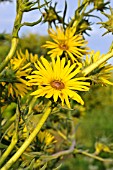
column 95, row 41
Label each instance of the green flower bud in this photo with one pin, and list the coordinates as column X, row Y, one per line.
column 83, row 26
column 108, row 24
column 99, row 4
column 51, row 15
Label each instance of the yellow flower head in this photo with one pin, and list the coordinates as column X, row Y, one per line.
column 67, row 42
column 21, row 67
column 57, row 80
column 103, row 72
column 46, row 138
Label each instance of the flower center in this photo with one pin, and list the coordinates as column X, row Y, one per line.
column 58, row 85
column 63, row 46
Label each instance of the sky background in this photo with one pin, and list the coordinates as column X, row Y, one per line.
column 95, row 41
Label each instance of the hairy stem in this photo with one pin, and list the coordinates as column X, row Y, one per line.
column 28, row 141
column 14, row 138
column 15, row 38
column 79, row 3
column 9, row 149
column 45, row 159
column 90, row 68
column 77, row 151
column 10, row 54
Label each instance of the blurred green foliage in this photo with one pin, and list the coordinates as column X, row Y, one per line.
column 31, row 42
column 95, row 126
column 4, row 45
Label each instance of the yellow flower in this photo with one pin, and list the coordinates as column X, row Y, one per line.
column 67, row 42
column 103, row 72
column 58, row 79
column 17, row 89
column 21, row 59
column 99, row 147
column 20, row 68
column 46, row 138
column 28, row 56
column 20, row 86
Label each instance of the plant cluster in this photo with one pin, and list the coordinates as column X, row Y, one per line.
column 41, row 95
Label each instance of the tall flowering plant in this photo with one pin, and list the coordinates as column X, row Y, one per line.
column 40, row 94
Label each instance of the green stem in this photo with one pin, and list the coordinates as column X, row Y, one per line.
column 31, row 104
column 45, row 159
column 14, row 138
column 16, row 28
column 9, row 149
column 10, row 54
column 81, row 15
column 77, row 151
column 90, row 68
column 79, row 2
column 28, row 141
column 8, row 123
